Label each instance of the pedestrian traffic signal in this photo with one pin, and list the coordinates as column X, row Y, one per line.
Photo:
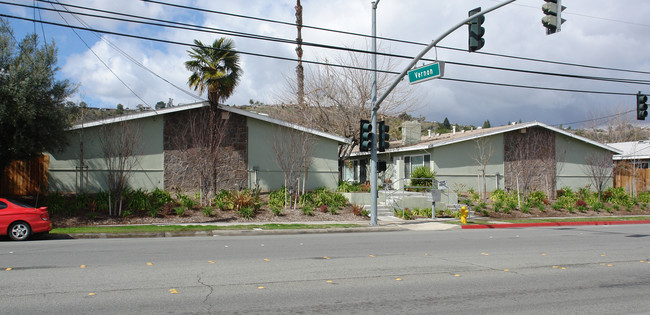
column 553, row 19
column 383, row 138
column 381, row 166
column 641, row 106
column 365, row 135
column 476, row 31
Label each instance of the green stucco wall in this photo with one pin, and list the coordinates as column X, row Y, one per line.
column 456, row 164
column 147, row 173
column 262, row 161
column 572, row 167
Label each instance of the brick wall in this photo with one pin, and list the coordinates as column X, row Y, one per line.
column 232, row 153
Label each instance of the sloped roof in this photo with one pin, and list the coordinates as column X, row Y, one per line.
column 427, row 142
column 632, row 150
column 170, row 110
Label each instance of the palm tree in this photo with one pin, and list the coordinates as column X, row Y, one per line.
column 214, row 68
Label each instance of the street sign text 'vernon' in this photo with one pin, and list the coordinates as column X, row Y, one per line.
column 426, row 73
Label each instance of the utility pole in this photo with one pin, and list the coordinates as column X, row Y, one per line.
column 300, row 72
column 373, row 120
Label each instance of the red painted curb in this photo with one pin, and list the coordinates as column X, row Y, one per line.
column 522, row 225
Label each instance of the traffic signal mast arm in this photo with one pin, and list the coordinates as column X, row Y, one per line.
column 433, row 43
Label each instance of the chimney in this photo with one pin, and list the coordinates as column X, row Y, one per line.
column 411, row 132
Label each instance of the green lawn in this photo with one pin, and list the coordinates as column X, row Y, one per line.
column 175, row 228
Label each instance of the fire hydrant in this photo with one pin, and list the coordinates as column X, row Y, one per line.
column 463, row 214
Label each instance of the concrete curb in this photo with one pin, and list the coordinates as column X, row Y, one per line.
column 391, row 228
column 546, row 224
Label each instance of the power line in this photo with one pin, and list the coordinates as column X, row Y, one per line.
column 314, row 62
column 389, row 39
column 131, row 58
column 104, row 63
column 275, row 39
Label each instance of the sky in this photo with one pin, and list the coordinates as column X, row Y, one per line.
column 111, row 69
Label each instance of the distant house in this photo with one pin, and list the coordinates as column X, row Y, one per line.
column 632, row 165
column 531, row 155
column 248, row 158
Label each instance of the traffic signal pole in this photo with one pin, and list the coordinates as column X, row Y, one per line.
column 377, row 102
column 373, row 119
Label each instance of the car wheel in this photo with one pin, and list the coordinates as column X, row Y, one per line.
column 20, row 231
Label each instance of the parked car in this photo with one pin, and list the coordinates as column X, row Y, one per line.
column 21, row 221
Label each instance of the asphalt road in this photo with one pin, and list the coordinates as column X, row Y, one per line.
column 576, row 270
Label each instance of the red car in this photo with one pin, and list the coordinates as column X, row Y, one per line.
column 20, row 221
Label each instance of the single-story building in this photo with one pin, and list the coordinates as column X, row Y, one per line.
column 529, row 156
column 163, row 144
column 632, row 170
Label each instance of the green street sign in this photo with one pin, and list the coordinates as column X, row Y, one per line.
column 426, row 73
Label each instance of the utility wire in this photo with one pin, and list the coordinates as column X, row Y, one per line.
column 102, row 61
column 275, row 39
column 389, row 39
column 133, row 59
column 312, row 62
column 595, row 119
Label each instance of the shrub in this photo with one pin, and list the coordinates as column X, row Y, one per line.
column 138, row 200
column 276, row 198
column 323, row 208
column 247, row 212
column 536, row 199
column 498, row 206
column 307, row 210
column 101, row 201
column 160, row 197
column 597, row 206
column 208, row 211
column 422, row 212
column 179, row 211
column 277, row 211
column 644, row 197
column 619, row 197
column 405, row 214
column 56, row 203
column 557, row 206
column 360, row 211
column 525, row 208
column 422, row 177
column 186, row 201
column 81, row 202
column 349, row 187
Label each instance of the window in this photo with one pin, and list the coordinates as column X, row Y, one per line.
column 2, row 205
column 413, row 161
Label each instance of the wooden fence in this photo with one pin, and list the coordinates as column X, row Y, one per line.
column 25, row 178
column 626, row 176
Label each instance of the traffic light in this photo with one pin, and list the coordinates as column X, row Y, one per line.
column 476, row 31
column 641, row 106
column 553, row 19
column 384, row 137
column 365, row 135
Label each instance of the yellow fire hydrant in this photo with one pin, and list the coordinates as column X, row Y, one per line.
column 463, row 214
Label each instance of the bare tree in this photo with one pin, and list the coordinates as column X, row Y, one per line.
column 599, row 167
column 484, row 151
column 200, row 140
column 529, row 156
column 293, row 150
column 337, row 97
column 118, row 143
column 618, row 127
